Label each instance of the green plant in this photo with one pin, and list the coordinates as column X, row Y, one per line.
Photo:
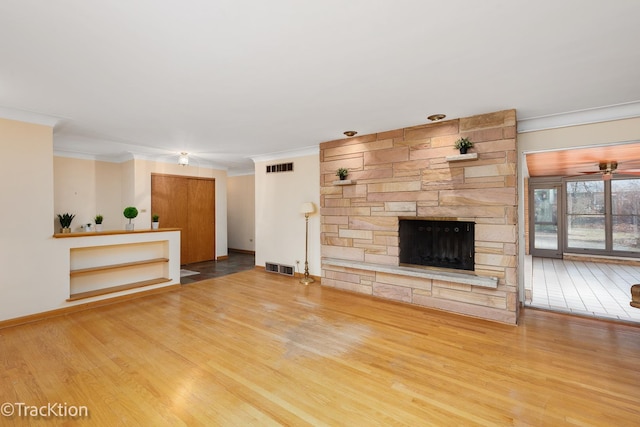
column 155, row 217
column 65, row 219
column 98, row 219
column 463, row 143
column 342, row 173
column 130, row 212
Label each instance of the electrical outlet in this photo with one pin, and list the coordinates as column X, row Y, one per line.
column 297, row 262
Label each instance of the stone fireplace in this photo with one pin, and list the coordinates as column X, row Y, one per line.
column 416, row 174
column 436, row 243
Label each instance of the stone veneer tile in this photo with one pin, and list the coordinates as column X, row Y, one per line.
column 333, row 166
column 361, row 211
column 356, row 234
column 497, row 119
column 342, row 276
column 495, row 197
column 411, row 165
column 496, row 233
column 496, row 260
column 469, row 297
column 490, row 170
column 407, row 281
column 400, row 206
column 449, row 127
column 348, row 141
column 389, row 238
column 403, row 196
column 388, row 187
column 353, row 287
column 357, row 148
column 341, row 220
column 353, row 191
column 400, row 154
column 335, row 241
column 395, row 293
column 373, row 223
column 381, row 259
column 352, row 254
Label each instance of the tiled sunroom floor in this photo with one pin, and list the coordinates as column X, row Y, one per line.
column 586, row 288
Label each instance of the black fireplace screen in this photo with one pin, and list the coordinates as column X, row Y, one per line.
column 448, row 244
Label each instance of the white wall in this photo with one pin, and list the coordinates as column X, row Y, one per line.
column 241, row 212
column 30, row 267
column 280, row 227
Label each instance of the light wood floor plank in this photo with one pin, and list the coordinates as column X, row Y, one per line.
column 255, row 348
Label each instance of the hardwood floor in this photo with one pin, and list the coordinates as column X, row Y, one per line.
column 254, row 348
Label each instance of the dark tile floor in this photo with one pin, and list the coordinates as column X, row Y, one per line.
column 210, row 269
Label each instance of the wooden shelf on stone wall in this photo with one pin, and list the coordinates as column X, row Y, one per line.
column 462, row 157
column 345, row 182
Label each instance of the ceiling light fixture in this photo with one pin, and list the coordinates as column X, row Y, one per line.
column 183, row 160
column 436, row 117
column 350, row 133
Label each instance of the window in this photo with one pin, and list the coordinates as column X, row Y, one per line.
column 602, row 216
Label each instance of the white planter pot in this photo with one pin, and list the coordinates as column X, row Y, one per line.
column 155, row 225
column 129, row 227
column 98, row 227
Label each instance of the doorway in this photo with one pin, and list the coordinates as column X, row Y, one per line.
column 187, row 203
column 544, row 228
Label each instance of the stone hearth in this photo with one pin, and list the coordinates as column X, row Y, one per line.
column 416, row 172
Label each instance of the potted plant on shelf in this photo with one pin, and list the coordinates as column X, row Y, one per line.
column 342, row 173
column 98, row 220
column 65, row 221
column 155, row 221
column 463, row 144
column 130, row 212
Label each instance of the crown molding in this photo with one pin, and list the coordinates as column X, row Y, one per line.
column 580, row 117
column 305, row 151
column 29, row 117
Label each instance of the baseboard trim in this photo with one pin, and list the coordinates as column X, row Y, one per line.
column 84, row 306
column 241, row 251
column 222, row 258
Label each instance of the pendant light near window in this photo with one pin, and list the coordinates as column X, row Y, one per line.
column 183, row 160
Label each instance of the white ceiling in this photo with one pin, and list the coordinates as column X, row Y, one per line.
column 227, row 80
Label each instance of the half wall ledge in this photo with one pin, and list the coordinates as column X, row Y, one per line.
column 423, row 273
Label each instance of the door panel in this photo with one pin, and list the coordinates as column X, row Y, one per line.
column 201, row 223
column 545, row 229
column 189, row 204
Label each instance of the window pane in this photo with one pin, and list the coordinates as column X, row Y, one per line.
column 625, row 204
column 585, row 231
column 625, row 196
column 585, row 197
column 625, row 233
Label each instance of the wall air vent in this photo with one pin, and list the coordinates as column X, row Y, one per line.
column 287, row 270
column 272, row 267
column 282, row 167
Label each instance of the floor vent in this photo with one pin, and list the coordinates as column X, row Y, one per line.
column 272, row 267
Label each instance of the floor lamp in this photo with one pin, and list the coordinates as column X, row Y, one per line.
column 306, row 208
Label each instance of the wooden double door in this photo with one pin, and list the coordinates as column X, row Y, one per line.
column 187, row 203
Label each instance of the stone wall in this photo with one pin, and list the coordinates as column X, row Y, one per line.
column 416, row 172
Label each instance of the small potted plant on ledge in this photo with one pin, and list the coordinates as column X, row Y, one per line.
column 98, row 220
column 155, row 221
column 342, row 173
column 463, row 144
column 65, row 221
column 130, row 212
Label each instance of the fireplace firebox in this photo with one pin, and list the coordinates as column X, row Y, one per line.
column 448, row 244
